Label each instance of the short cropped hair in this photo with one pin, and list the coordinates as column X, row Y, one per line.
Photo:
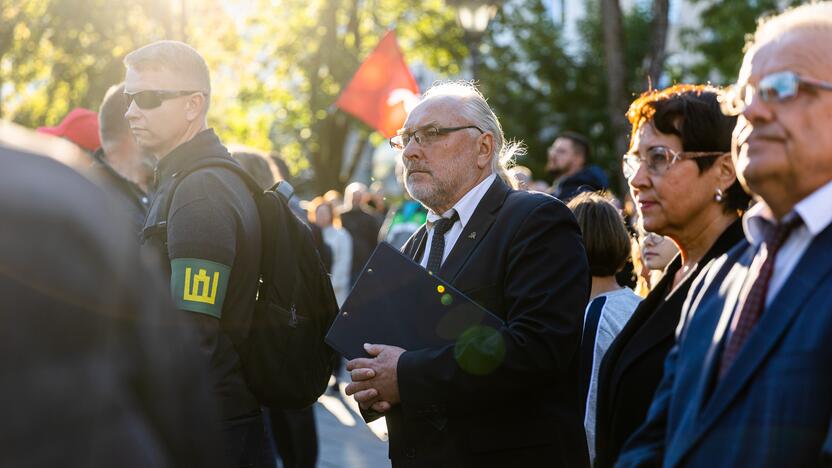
column 580, row 143
column 476, row 109
column 692, row 113
column 112, row 126
column 810, row 17
column 605, row 235
column 173, row 56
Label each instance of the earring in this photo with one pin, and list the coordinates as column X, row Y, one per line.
column 719, row 195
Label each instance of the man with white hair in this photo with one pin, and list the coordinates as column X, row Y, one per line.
column 749, row 381
column 204, row 224
column 509, row 398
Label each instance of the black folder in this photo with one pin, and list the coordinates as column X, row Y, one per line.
column 397, row 302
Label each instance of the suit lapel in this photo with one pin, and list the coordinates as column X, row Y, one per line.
column 623, row 351
column 812, row 268
column 475, row 230
column 662, row 325
column 728, row 285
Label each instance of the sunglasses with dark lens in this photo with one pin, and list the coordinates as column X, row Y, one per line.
column 659, row 159
column 776, row 87
column 152, row 99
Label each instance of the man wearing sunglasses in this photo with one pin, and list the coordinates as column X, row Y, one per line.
column 205, row 227
column 511, row 399
column 748, row 382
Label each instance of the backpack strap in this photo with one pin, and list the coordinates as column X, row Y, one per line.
column 282, row 190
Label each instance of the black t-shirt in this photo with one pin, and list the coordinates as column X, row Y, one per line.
column 213, row 254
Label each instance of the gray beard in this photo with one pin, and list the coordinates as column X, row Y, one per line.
column 431, row 196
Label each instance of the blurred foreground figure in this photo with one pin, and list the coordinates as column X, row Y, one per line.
column 96, row 369
column 748, row 382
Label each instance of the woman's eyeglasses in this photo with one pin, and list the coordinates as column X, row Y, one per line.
column 659, row 159
column 152, row 99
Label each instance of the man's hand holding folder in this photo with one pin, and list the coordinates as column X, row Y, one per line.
column 374, row 382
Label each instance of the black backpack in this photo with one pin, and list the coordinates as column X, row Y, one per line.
column 286, row 363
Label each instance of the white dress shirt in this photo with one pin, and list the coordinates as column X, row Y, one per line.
column 465, row 209
column 816, row 212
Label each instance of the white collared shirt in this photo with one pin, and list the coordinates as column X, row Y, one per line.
column 816, row 214
column 465, row 209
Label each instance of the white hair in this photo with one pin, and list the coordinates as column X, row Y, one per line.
column 810, row 17
column 476, row 109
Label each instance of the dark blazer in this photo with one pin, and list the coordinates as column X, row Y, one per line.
column 774, row 405
column 521, row 257
column 632, row 366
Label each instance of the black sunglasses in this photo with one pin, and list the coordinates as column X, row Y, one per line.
column 152, row 99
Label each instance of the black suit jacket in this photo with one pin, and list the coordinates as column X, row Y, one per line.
column 633, row 365
column 521, row 257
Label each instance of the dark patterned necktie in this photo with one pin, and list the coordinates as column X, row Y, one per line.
column 437, row 244
column 755, row 302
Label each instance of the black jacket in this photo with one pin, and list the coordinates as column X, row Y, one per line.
column 521, row 257
column 363, row 227
column 589, row 179
column 634, row 363
column 212, row 218
column 127, row 197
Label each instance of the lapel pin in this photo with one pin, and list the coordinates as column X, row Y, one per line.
column 473, row 235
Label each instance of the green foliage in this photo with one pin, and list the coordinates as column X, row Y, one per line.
column 539, row 90
column 726, row 27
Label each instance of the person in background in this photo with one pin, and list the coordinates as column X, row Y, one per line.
column 683, row 183
column 656, row 253
column 323, row 214
column 121, row 167
column 521, row 177
column 569, row 164
column 362, row 226
column 610, row 305
column 80, row 126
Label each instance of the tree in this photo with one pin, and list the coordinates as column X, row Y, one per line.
column 538, row 89
column 721, row 38
column 308, row 50
column 60, row 54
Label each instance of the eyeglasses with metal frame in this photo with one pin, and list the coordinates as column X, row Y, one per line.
column 424, row 136
column 659, row 159
column 775, row 87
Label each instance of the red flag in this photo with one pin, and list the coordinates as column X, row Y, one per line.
column 383, row 90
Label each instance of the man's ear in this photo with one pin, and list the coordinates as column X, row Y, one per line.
column 195, row 106
column 485, row 146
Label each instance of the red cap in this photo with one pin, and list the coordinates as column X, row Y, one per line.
column 80, row 126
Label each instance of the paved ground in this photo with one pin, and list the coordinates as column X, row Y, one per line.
column 344, row 439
